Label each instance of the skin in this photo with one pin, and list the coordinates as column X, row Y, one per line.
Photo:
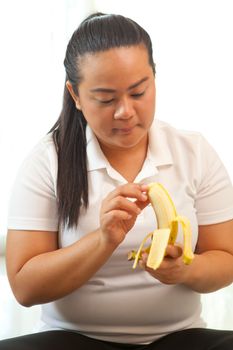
column 123, row 104
column 118, row 89
column 212, row 267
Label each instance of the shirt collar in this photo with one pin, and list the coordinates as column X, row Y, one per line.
column 95, row 157
column 159, row 152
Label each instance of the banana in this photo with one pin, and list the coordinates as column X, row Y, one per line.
column 167, row 222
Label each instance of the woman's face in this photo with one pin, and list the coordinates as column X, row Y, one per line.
column 117, row 95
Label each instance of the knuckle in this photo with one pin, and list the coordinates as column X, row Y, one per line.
column 118, row 201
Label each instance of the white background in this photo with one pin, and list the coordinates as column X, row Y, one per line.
column 193, row 50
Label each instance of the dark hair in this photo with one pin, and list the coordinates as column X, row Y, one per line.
column 98, row 32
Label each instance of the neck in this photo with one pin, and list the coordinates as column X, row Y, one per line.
column 127, row 161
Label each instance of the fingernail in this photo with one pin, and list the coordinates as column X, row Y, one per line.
column 144, row 197
column 144, row 257
column 144, row 187
column 141, row 264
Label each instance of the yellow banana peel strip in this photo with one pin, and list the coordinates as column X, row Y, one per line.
column 188, row 255
column 167, row 222
column 139, row 252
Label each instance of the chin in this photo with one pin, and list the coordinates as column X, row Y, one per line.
column 129, row 141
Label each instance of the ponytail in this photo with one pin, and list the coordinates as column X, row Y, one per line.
column 72, row 183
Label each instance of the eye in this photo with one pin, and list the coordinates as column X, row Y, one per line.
column 138, row 95
column 106, row 101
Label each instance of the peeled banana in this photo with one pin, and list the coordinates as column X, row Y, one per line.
column 168, row 221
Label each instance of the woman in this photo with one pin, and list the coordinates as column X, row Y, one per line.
column 80, row 204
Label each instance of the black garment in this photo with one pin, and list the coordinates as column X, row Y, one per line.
column 190, row 339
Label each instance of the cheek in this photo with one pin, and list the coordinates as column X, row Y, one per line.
column 151, row 98
column 99, row 120
column 150, row 103
column 147, row 108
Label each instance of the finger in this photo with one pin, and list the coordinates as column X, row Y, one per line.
column 142, row 264
column 174, row 251
column 130, row 190
column 117, row 215
column 122, row 203
column 143, row 260
column 142, row 204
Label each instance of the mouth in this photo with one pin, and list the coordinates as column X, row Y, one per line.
column 124, row 131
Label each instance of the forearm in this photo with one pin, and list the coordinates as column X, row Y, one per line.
column 40, row 273
column 52, row 275
column 210, row 271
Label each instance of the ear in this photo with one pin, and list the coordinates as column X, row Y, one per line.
column 74, row 96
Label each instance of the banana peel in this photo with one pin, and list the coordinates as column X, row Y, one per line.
column 168, row 222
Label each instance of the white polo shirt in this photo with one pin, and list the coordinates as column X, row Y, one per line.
column 120, row 304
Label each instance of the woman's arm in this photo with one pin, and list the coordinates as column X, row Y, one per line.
column 212, row 267
column 40, row 272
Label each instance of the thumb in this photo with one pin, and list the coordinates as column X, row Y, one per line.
column 174, row 251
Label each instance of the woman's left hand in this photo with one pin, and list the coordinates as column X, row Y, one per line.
column 172, row 269
column 212, row 267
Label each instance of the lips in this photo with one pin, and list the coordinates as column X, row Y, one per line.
column 124, row 131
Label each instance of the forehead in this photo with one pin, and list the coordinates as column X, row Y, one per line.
column 115, row 64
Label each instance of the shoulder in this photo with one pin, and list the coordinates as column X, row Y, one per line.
column 177, row 142
column 185, row 149
column 44, row 146
column 33, row 199
column 40, row 164
column 176, row 135
column 43, row 152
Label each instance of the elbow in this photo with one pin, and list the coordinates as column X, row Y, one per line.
column 25, row 303
column 23, row 293
column 23, row 298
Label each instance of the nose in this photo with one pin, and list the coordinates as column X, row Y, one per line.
column 124, row 109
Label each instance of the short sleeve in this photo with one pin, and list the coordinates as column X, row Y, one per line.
column 214, row 197
column 33, row 203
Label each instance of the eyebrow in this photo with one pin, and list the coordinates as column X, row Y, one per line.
column 129, row 88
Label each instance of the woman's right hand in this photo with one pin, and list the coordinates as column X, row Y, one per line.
column 36, row 264
column 119, row 211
